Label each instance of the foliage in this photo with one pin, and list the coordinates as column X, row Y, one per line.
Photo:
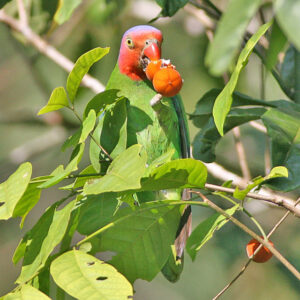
column 107, row 199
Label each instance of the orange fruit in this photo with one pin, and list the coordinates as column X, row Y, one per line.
column 152, row 68
column 263, row 255
column 167, row 81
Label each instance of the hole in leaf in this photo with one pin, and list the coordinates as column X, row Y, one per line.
column 101, row 278
column 90, row 263
column 1, row 203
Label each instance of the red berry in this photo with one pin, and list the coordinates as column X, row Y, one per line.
column 263, row 255
column 152, row 68
column 167, row 81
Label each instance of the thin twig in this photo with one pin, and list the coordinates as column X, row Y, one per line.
column 22, row 13
column 255, row 252
column 288, row 204
column 274, row 251
column 258, row 126
column 45, row 48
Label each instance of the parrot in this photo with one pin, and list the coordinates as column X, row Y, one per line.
column 160, row 129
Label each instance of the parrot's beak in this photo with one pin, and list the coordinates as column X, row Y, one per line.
column 152, row 51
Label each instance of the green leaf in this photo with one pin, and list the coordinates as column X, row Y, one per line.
column 229, row 34
column 278, row 172
column 170, row 7
column 3, row 2
column 88, row 125
column 124, row 173
column 288, row 68
column 141, row 238
column 288, row 17
column 206, row 140
column 81, row 67
column 224, row 100
column 85, row 277
column 180, row 173
column 111, row 132
column 58, row 100
column 73, row 140
column 96, row 211
column 276, row 44
column 29, row 199
column 12, row 190
column 205, row 231
column 283, row 127
column 72, row 166
column 100, row 101
column 26, row 292
column 65, row 10
column 42, row 239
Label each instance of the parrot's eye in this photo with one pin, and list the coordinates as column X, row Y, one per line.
column 129, row 43
column 147, row 42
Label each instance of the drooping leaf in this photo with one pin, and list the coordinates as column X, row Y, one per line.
column 276, row 44
column 180, row 173
column 206, row 140
column 224, row 100
column 65, row 10
column 12, row 190
column 26, row 292
column 58, row 100
column 124, row 173
column 85, row 277
column 283, row 127
column 72, row 166
column 288, row 17
column 41, row 240
column 170, row 7
column 141, row 238
column 88, row 125
column 96, row 211
column 81, row 67
column 29, row 199
column 229, row 34
column 111, row 133
column 205, row 231
column 3, row 2
column 100, row 101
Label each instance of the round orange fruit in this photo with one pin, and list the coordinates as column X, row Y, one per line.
column 167, row 82
column 153, row 67
column 263, row 255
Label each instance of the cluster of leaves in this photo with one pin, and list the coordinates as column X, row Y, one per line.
column 108, row 201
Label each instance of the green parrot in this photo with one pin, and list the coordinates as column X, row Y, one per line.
column 161, row 128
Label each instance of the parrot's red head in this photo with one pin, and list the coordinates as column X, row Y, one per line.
column 139, row 45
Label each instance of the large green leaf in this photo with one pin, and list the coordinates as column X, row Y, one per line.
column 141, row 238
column 124, row 173
column 100, row 101
column 276, row 44
column 288, row 17
column 3, row 2
column 224, row 100
column 72, row 166
column 170, row 7
column 81, row 67
column 41, row 240
column 288, row 68
column 85, row 277
column 206, row 140
column 205, row 231
column 58, row 100
column 229, row 34
column 88, row 125
column 26, row 292
column 12, row 190
column 111, row 133
column 180, row 173
column 65, row 10
column 283, row 126
column 96, row 211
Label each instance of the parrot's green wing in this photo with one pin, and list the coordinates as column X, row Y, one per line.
column 161, row 129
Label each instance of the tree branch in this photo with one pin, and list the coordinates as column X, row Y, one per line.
column 43, row 47
column 265, row 243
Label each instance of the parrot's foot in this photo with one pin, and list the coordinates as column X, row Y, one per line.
column 155, row 100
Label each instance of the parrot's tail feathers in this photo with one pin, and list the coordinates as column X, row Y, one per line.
column 184, row 231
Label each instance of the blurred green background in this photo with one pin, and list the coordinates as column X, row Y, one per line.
column 26, row 81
